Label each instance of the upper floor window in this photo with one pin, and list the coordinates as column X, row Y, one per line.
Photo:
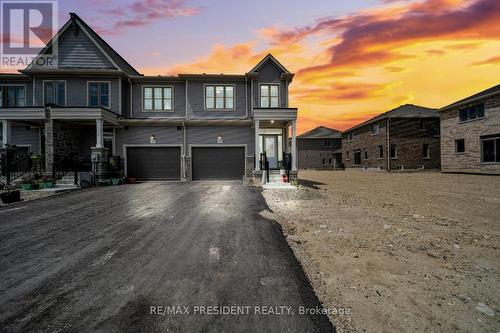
column 219, row 97
column 12, row 96
column 349, row 136
column 269, row 95
column 157, row 98
column 328, row 143
column 98, row 94
column 472, row 112
column 375, row 129
column 54, row 92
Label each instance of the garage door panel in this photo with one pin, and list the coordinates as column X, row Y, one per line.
column 154, row 163
column 218, row 162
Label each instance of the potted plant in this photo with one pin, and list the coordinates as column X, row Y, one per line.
column 10, row 196
column 115, row 181
column 26, row 183
column 46, row 182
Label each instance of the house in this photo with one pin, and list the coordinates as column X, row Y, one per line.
column 470, row 134
column 94, row 105
column 406, row 137
column 320, row 148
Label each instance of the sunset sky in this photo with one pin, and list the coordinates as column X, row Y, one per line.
column 353, row 59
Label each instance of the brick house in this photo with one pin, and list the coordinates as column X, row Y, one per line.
column 320, row 148
column 470, row 132
column 406, row 137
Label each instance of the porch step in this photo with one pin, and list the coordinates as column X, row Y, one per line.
column 67, row 180
column 278, row 186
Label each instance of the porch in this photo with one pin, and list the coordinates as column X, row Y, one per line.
column 64, row 136
column 275, row 138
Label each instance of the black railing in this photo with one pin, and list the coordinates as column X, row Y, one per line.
column 287, row 164
column 264, row 164
column 13, row 167
column 63, row 166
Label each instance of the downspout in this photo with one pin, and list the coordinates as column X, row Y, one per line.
column 131, row 105
column 184, row 148
column 246, row 97
column 388, row 152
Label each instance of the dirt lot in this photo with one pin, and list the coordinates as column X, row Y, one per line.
column 406, row 252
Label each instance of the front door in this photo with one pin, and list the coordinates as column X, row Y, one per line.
column 270, row 144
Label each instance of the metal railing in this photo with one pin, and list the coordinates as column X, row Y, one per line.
column 264, row 164
column 13, row 167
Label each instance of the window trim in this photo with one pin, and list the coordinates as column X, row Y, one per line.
column 428, row 156
column 279, row 95
column 220, row 85
column 378, row 129
column 109, row 93
column 469, row 106
column 456, row 145
column 65, row 91
column 15, row 85
column 143, row 86
column 494, row 139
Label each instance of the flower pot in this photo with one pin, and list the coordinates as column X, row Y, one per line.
column 10, row 197
column 116, row 181
column 26, row 186
column 48, row 185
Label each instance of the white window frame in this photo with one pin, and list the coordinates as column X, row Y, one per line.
column 269, row 91
column 14, row 85
column 144, row 86
column 377, row 126
column 65, row 90
column 215, row 85
column 109, row 94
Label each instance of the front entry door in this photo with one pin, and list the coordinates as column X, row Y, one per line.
column 270, row 143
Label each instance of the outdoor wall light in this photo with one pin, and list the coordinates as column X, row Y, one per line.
column 220, row 139
column 272, row 121
column 152, row 138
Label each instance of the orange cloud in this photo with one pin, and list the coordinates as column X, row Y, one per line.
column 490, row 61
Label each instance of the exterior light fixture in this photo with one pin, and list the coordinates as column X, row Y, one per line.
column 220, row 139
column 272, row 121
column 152, row 138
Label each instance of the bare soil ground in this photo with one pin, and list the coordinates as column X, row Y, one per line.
column 406, row 252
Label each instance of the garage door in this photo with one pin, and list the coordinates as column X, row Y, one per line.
column 218, row 162
column 154, row 163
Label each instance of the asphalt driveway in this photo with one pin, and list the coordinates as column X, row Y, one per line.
column 151, row 257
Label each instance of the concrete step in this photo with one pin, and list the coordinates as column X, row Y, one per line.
column 278, row 186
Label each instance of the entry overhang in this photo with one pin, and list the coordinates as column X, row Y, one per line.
column 275, row 114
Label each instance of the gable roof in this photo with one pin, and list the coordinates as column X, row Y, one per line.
column 97, row 54
column 321, row 132
column 403, row 111
column 480, row 95
column 270, row 58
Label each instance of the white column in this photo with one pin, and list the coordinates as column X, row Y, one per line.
column 257, row 145
column 294, row 145
column 99, row 127
column 6, row 132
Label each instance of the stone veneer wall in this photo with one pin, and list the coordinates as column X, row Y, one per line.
column 66, row 140
column 471, row 132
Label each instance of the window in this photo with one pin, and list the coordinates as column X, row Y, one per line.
column 380, row 151
column 472, row 112
column 349, row 136
column 324, row 161
column 490, row 149
column 330, row 161
column 269, row 96
column 346, row 155
column 98, row 94
column 394, row 151
column 12, row 96
column 157, row 98
column 55, row 92
column 421, row 124
column 375, row 129
column 460, row 146
column 328, row 143
column 357, row 157
column 219, row 97
column 425, row 150
column 365, row 154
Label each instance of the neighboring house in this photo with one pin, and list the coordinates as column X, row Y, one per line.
column 320, row 148
column 470, row 134
column 189, row 126
column 406, row 137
